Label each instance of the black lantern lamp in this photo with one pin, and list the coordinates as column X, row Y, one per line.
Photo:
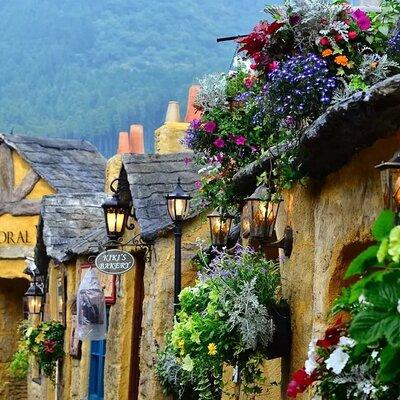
column 117, row 213
column 390, row 179
column 178, row 208
column 34, row 298
column 178, row 203
column 220, row 226
column 263, row 212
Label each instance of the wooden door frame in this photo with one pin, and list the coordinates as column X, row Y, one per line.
column 134, row 375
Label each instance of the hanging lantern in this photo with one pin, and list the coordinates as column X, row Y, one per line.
column 262, row 213
column 220, row 226
column 117, row 212
column 178, row 203
column 390, row 179
column 34, row 298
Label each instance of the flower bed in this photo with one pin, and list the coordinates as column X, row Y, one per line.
column 314, row 54
column 233, row 315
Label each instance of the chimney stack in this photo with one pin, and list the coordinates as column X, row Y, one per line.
column 123, row 143
column 136, row 139
column 173, row 112
column 192, row 113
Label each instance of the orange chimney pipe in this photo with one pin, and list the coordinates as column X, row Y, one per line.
column 136, row 139
column 123, row 143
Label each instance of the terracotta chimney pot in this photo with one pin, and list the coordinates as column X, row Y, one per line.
column 136, row 139
column 191, row 112
column 123, row 143
column 173, row 112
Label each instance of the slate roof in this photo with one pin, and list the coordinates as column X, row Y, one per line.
column 67, row 165
column 332, row 139
column 153, row 176
column 72, row 222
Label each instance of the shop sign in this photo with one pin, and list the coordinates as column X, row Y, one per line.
column 114, row 262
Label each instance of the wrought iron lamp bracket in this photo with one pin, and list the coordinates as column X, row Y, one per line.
column 134, row 245
column 286, row 243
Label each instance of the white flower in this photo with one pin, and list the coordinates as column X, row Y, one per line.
column 368, row 388
column 347, row 342
column 337, row 360
column 311, row 364
column 374, row 354
column 398, row 306
column 362, row 299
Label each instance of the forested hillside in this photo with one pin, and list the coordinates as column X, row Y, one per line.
column 89, row 68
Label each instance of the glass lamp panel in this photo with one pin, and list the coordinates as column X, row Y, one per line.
column 395, row 178
column 178, row 208
column 390, row 180
column 34, row 304
column 220, row 227
column 115, row 221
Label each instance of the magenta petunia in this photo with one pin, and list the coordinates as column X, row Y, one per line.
column 197, row 185
column 220, row 143
column 210, row 126
column 187, row 160
column 362, row 19
column 240, row 140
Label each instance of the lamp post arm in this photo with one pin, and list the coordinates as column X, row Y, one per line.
column 178, row 263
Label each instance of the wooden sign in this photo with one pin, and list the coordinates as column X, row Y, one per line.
column 114, row 262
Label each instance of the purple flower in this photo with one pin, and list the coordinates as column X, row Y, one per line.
column 294, row 19
column 210, row 126
column 196, row 124
column 240, row 140
column 219, row 143
column 362, row 19
column 187, row 160
column 197, row 185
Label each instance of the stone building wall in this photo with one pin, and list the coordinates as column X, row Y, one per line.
column 331, row 220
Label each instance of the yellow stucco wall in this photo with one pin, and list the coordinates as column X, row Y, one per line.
column 331, row 221
column 167, row 138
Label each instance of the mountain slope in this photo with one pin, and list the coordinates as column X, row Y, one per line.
column 90, row 68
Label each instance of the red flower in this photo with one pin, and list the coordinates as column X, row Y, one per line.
column 219, row 143
column 49, row 346
column 339, row 38
column 353, row 35
column 332, row 335
column 248, row 82
column 324, row 41
column 300, row 382
column 275, row 26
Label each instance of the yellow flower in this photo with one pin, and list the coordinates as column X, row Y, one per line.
column 327, row 53
column 212, row 349
column 40, row 338
column 342, row 60
column 181, row 344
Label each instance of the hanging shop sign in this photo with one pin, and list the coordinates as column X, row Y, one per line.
column 114, row 262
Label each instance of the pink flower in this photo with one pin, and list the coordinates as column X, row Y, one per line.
column 220, row 157
column 248, row 82
column 362, row 19
column 353, row 35
column 210, row 126
column 220, row 143
column 240, row 140
column 197, row 185
column 324, row 41
column 187, row 160
column 272, row 66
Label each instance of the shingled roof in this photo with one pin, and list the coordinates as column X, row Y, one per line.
column 66, row 165
column 72, row 222
column 332, row 139
column 151, row 177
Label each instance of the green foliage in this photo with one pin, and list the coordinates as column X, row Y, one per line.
column 224, row 318
column 363, row 261
column 383, row 225
column 44, row 342
column 19, row 365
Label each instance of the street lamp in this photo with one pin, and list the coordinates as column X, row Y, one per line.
column 220, row 226
column 116, row 213
column 34, row 298
column 178, row 208
column 390, row 179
